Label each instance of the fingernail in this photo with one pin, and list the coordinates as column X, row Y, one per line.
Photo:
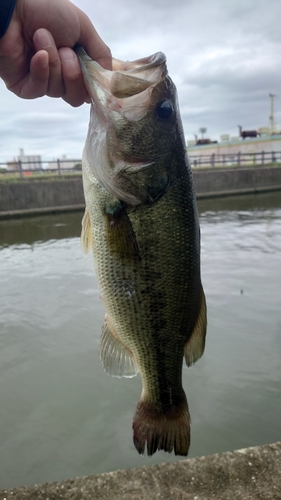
column 66, row 55
column 44, row 39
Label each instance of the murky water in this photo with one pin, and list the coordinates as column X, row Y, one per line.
column 62, row 416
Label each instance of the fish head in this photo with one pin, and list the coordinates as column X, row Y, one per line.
column 134, row 128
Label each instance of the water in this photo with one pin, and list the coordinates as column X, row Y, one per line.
column 62, row 416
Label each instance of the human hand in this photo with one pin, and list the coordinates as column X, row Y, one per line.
column 36, row 56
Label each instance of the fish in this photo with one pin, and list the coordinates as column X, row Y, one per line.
column 141, row 222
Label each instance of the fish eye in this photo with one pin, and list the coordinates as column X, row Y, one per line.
column 165, row 110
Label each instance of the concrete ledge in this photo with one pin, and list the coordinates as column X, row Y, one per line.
column 235, row 192
column 19, row 199
column 248, row 474
column 236, row 180
column 29, row 212
column 31, row 195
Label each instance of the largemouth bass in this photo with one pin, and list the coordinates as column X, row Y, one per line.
column 141, row 221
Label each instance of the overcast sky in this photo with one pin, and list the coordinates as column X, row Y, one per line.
column 223, row 55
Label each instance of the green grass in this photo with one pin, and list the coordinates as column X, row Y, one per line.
column 234, row 166
column 37, row 176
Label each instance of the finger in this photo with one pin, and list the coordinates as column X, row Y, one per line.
column 104, row 57
column 75, row 90
column 92, row 42
column 35, row 83
column 43, row 40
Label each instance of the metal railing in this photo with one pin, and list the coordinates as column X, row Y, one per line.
column 235, row 159
column 38, row 168
column 67, row 167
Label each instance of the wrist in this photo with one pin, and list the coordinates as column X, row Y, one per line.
column 6, row 12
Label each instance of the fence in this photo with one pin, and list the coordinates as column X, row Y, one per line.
column 29, row 168
column 235, row 159
column 62, row 167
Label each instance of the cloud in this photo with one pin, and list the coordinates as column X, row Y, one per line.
column 224, row 57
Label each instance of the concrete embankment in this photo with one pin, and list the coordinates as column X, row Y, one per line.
column 233, row 181
column 30, row 197
column 248, row 474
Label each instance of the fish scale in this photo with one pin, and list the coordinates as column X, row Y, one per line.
column 141, row 218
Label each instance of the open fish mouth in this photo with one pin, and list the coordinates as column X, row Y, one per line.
column 125, row 103
column 127, row 88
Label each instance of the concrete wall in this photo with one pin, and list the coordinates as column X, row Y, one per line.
column 29, row 197
column 212, row 182
column 248, row 474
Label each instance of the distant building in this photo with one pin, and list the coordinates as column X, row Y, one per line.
column 28, row 162
column 235, row 145
column 64, row 163
column 13, row 165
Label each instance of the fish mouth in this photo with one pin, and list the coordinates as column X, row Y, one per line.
column 127, row 88
column 117, row 153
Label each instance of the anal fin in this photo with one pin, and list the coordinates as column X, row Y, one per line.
column 195, row 345
column 116, row 358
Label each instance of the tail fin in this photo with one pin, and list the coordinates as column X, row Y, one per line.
column 158, row 431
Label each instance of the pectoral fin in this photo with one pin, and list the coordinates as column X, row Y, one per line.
column 86, row 234
column 116, row 358
column 194, row 347
column 120, row 233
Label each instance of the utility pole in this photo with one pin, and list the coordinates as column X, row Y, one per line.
column 271, row 117
column 203, row 131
